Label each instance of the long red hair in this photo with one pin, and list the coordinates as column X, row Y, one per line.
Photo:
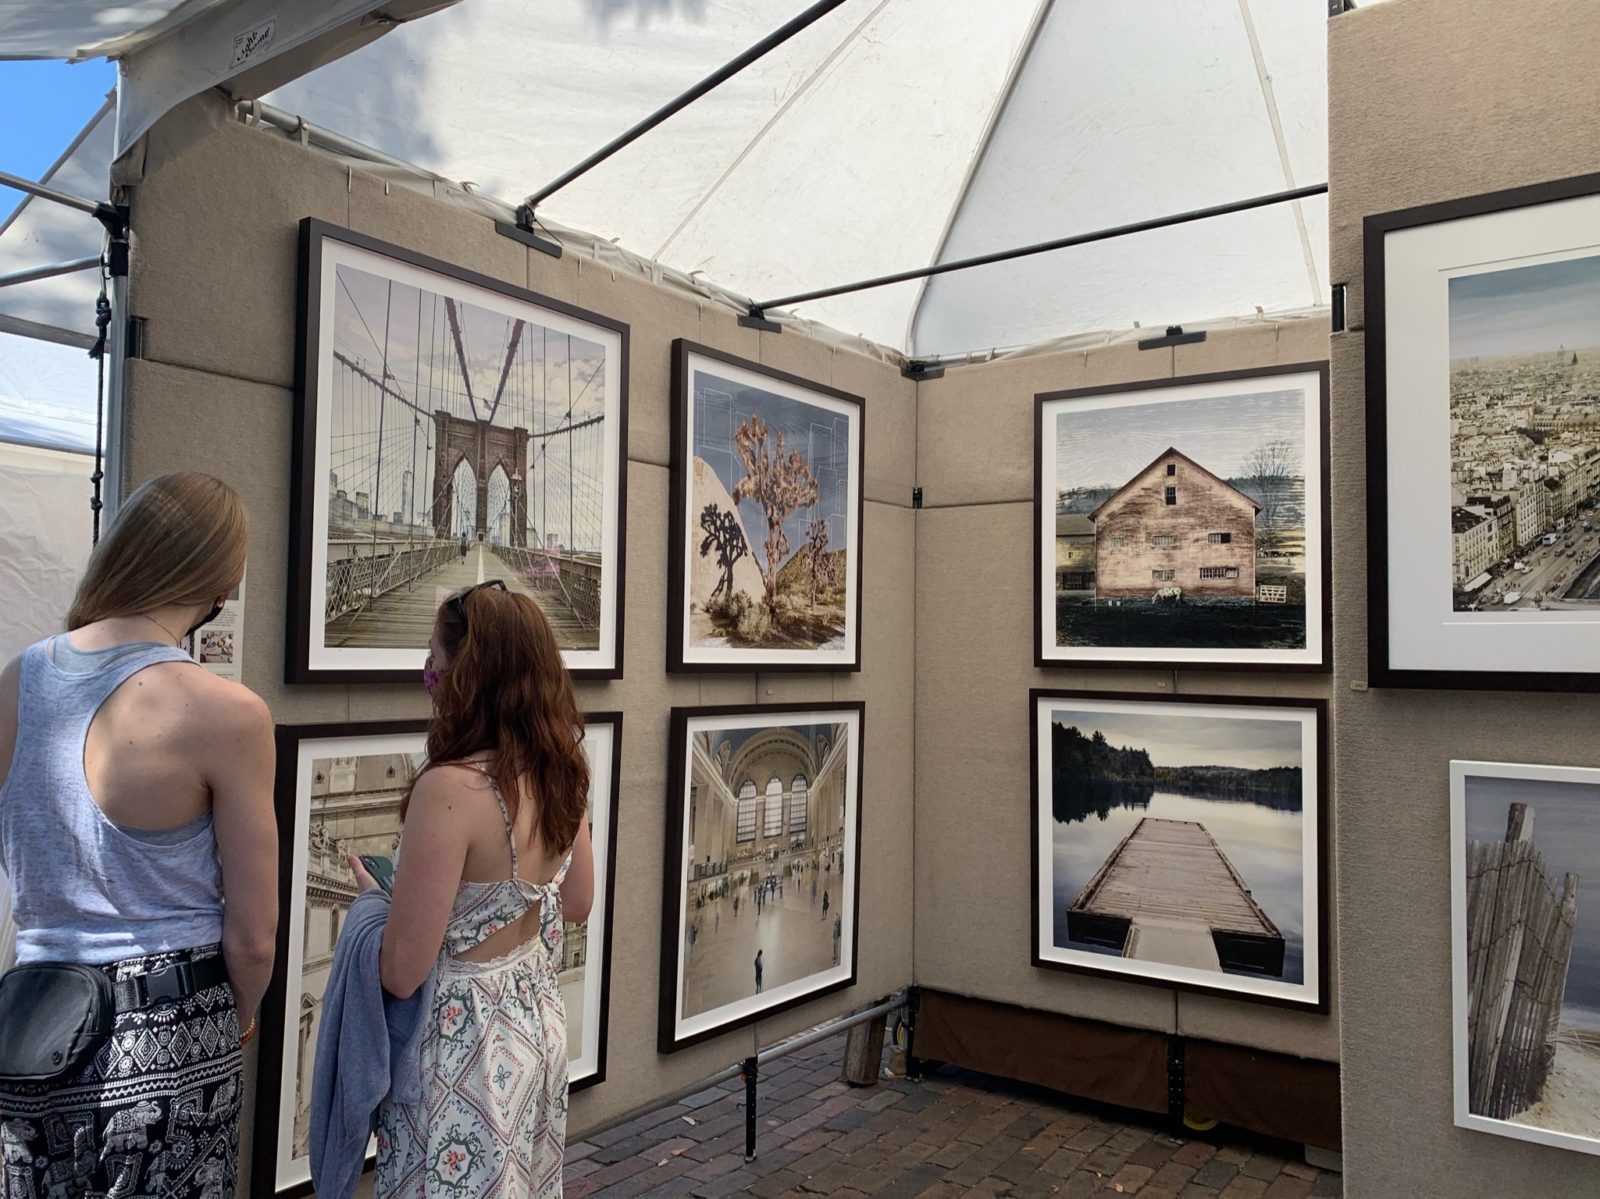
column 506, row 693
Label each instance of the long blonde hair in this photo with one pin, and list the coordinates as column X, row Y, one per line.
column 179, row 539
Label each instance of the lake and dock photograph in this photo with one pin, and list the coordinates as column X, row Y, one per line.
column 1177, row 841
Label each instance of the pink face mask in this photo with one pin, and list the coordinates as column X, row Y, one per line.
column 430, row 677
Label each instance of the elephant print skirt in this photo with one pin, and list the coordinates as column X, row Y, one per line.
column 154, row 1113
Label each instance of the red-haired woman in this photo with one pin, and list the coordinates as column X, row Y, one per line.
column 495, row 855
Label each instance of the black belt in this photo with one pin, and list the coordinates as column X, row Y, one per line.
column 169, row 983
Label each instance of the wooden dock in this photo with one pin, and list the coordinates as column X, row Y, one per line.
column 403, row 618
column 1167, row 893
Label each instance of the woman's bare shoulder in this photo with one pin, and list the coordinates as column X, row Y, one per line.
column 215, row 704
column 449, row 780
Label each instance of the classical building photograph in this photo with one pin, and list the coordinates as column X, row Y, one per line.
column 355, row 809
column 1183, row 522
column 767, row 887
column 1525, row 437
column 457, row 433
column 347, row 786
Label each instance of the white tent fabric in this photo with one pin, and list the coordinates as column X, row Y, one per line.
column 77, row 29
column 47, row 394
column 1127, row 112
column 890, row 135
column 45, row 534
column 170, row 51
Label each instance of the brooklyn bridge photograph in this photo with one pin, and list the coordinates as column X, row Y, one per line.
column 455, row 430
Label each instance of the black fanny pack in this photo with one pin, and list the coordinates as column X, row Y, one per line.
column 55, row 1016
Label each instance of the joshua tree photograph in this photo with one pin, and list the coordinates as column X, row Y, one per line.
column 767, row 514
column 1181, row 523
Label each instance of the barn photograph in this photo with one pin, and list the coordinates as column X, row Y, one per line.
column 1183, row 522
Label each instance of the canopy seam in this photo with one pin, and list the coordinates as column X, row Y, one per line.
column 783, row 110
column 1002, row 101
column 1269, row 99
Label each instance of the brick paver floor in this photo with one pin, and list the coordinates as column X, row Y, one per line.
column 955, row 1133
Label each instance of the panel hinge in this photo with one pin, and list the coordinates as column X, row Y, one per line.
column 133, row 347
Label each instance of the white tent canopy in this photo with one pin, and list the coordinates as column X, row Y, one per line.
column 890, row 135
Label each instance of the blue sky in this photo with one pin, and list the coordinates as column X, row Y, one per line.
column 1248, row 743
column 1526, row 309
column 1105, row 447
column 43, row 106
column 821, row 435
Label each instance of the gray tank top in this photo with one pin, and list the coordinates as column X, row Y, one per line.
column 85, row 889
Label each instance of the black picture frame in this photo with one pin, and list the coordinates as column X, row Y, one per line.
column 274, row 1023
column 1043, row 509
column 314, row 235
column 679, row 658
column 1320, row 1004
column 674, row 896
column 1375, row 228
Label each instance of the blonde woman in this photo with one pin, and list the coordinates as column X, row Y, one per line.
column 137, row 831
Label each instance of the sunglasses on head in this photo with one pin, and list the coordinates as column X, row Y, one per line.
column 459, row 601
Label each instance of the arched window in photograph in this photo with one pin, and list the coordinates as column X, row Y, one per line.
column 745, row 829
column 799, row 802
column 772, row 825
column 342, row 777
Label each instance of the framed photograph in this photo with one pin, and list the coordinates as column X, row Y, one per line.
column 339, row 789
column 763, row 864
column 1483, row 441
column 1525, row 921
column 449, row 429
column 1181, row 523
column 764, row 568
column 1181, row 841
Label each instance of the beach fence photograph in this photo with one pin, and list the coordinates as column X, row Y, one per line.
column 1179, row 841
column 1527, row 951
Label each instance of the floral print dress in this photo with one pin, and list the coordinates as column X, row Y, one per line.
column 493, row 1116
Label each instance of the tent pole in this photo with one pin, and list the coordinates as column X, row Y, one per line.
column 721, row 75
column 95, row 208
column 757, row 314
column 49, row 272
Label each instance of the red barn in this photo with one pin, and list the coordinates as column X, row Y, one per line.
column 1175, row 524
